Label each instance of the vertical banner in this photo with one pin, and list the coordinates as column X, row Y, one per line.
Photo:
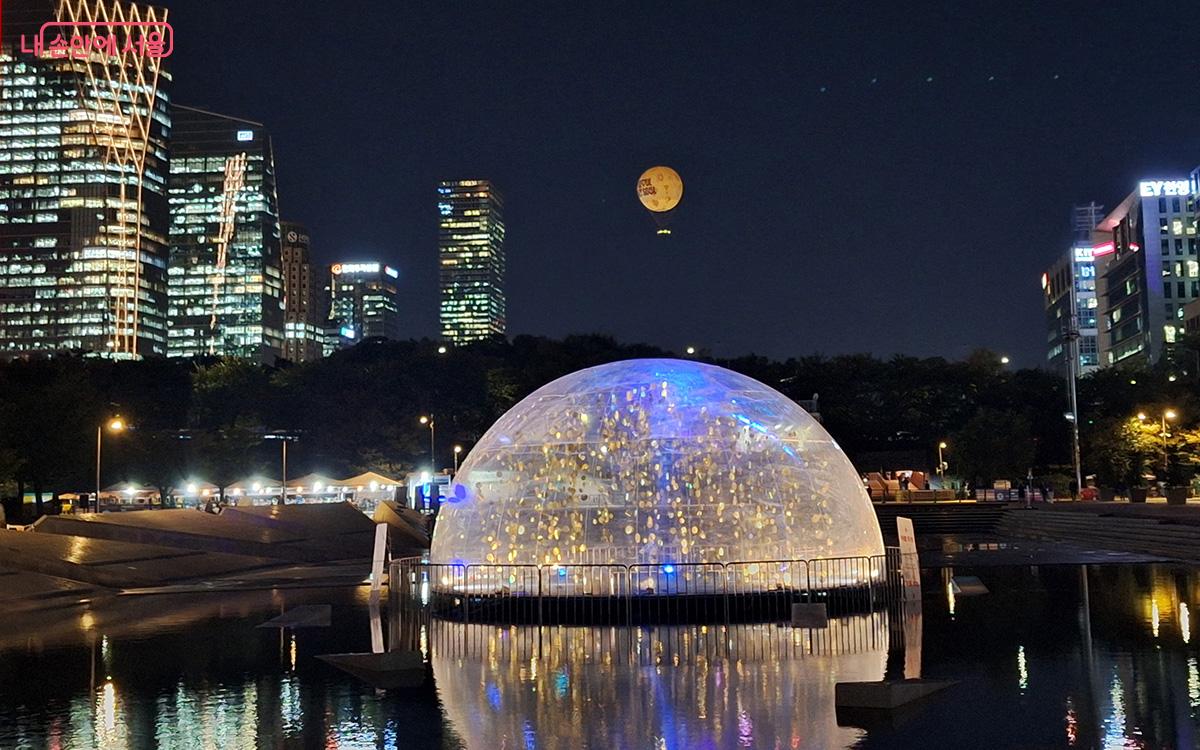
column 910, row 568
column 913, row 636
column 378, row 560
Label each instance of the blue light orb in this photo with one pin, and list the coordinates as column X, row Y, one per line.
column 655, row 462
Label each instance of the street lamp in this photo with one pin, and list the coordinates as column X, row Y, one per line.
column 441, row 350
column 457, row 450
column 690, row 350
column 428, row 421
column 941, row 462
column 1167, row 414
column 114, row 425
column 284, row 439
column 1004, row 360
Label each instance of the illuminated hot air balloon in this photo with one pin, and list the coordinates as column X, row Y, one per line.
column 660, row 189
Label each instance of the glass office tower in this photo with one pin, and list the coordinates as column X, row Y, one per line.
column 305, row 307
column 225, row 280
column 364, row 302
column 472, row 262
column 83, row 166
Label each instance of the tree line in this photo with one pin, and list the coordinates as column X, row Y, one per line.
column 358, row 410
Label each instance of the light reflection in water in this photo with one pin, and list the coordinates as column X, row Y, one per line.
column 107, row 729
column 1193, row 685
column 675, row 687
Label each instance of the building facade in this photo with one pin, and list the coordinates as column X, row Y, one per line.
column 304, row 314
column 225, row 279
column 1071, row 302
column 364, row 303
column 83, row 194
column 471, row 261
column 1146, row 254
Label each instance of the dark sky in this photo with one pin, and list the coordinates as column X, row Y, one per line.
column 886, row 213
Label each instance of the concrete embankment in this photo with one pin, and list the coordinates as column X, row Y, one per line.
column 1171, row 532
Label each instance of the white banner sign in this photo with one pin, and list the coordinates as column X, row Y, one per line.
column 910, row 567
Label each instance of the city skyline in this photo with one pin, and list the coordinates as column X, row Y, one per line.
column 898, row 180
column 716, row 284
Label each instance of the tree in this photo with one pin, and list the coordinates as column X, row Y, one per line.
column 994, row 444
column 1117, row 450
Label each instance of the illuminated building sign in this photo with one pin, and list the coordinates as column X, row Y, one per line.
column 347, row 332
column 1160, row 188
column 391, row 272
column 245, row 135
column 340, row 268
column 1083, row 254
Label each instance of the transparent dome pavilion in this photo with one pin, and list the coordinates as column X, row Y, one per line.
column 655, row 461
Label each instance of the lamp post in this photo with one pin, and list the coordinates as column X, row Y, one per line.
column 115, row 425
column 457, row 450
column 1167, row 414
column 428, row 421
column 283, row 438
column 941, row 462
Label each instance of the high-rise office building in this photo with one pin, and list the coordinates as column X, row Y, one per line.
column 304, row 311
column 364, row 303
column 1146, row 255
column 1070, row 297
column 472, row 261
column 83, row 165
column 225, row 279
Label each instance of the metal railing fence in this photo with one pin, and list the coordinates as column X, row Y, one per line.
column 754, row 591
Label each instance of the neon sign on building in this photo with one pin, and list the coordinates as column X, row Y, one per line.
column 1165, row 188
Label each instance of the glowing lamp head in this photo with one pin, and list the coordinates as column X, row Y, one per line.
column 458, row 449
column 1170, row 414
column 441, row 350
column 116, row 425
column 1141, row 416
column 943, row 445
column 424, row 420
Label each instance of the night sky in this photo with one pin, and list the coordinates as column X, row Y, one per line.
column 836, row 199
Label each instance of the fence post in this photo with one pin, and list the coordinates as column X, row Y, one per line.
column 466, row 595
column 725, row 590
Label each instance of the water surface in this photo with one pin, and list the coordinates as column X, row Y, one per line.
column 1051, row 657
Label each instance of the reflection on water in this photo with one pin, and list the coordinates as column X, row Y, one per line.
column 1052, row 657
column 676, row 687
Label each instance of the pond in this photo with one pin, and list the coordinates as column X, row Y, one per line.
column 1056, row 656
